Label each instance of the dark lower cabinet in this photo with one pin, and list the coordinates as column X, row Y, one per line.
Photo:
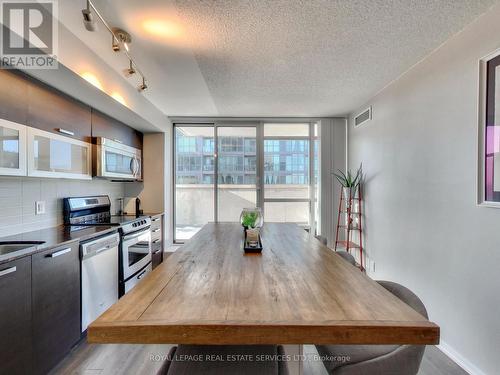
column 15, row 317
column 56, row 305
column 156, row 240
column 157, row 256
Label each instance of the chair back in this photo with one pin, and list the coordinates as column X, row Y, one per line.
column 405, row 295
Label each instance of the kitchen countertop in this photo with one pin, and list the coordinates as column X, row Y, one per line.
column 53, row 237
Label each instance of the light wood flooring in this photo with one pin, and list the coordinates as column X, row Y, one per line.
column 111, row 359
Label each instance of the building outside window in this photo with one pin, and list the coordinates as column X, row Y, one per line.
column 285, row 152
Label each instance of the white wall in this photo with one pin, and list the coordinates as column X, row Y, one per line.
column 424, row 229
column 18, row 196
column 333, row 157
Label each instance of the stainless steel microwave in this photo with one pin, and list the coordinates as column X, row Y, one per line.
column 116, row 161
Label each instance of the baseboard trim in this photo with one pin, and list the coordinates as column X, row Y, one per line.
column 459, row 359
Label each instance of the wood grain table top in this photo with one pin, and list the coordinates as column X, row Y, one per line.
column 296, row 292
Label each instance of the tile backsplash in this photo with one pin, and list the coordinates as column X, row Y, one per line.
column 19, row 194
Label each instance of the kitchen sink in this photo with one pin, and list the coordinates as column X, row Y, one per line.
column 7, row 247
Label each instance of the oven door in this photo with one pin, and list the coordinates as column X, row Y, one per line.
column 136, row 252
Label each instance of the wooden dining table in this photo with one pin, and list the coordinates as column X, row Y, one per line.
column 297, row 291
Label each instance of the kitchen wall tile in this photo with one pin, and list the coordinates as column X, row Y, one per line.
column 18, row 196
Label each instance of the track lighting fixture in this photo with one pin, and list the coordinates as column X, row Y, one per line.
column 118, row 37
column 114, row 44
column 143, row 86
column 130, row 71
column 121, row 36
column 88, row 19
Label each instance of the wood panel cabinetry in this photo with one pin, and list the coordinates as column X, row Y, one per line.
column 108, row 127
column 13, row 94
column 15, row 317
column 29, row 102
column 53, row 111
column 56, row 305
column 157, row 240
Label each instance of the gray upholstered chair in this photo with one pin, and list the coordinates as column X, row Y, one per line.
column 322, row 239
column 176, row 363
column 377, row 359
column 348, row 257
column 344, row 254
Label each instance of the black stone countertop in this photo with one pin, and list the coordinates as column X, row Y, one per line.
column 52, row 237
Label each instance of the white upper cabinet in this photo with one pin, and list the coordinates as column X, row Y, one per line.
column 12, row 148
column 53, row 155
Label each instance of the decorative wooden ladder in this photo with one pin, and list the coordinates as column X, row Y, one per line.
column 350, row 220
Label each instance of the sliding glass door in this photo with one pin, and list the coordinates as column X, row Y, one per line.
column 236, row 170
column 194, row 179
column 225, row 167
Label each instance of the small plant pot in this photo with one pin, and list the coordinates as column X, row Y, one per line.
column 347, row 195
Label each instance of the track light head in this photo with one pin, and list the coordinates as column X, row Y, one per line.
column 143, row 86
column 114, row 44
column 88, row 20
column 130, row 70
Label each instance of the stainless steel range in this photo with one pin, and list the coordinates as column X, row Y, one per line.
column 135, row 235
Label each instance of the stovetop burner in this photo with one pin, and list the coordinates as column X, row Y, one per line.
column 82, row 212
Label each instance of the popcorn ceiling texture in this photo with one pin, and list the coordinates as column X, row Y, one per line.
column 313, row 57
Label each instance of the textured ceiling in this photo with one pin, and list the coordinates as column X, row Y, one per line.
column 282, row 57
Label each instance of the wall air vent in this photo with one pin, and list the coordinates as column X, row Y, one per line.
column 363, row 117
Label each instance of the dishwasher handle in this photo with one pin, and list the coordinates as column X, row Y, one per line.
column 99, row 245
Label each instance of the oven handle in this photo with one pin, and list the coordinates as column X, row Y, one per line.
column 132, row 166
column 141, row 275
column 135, row 235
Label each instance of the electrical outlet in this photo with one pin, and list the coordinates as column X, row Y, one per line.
column 39, row 207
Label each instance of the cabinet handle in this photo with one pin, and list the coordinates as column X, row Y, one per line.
column 156, row 230
column 64, row 131
column 8, row 270
column 155, row 219
column 156, row 252
column 59, row 253
column 156, row 241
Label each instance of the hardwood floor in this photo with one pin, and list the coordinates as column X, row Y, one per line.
column 123, row 359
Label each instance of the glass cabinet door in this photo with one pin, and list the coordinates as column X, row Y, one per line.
column 12, row 148
column 52, row 155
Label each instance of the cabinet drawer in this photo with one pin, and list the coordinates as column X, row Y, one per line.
column 56, row 305
column 157, row 256
column 155, row 222
column 156, row 244
column 155, row 234
column 15, row 314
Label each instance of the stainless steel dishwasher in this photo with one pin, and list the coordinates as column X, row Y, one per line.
column 99, row 276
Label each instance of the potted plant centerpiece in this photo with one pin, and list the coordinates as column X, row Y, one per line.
column 349, row 182
column 252, row 219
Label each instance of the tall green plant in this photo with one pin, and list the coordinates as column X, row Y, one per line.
column 349, row 180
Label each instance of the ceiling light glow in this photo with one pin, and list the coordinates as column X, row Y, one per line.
column 161, row 28
column 120, row 99
column 92, row 79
